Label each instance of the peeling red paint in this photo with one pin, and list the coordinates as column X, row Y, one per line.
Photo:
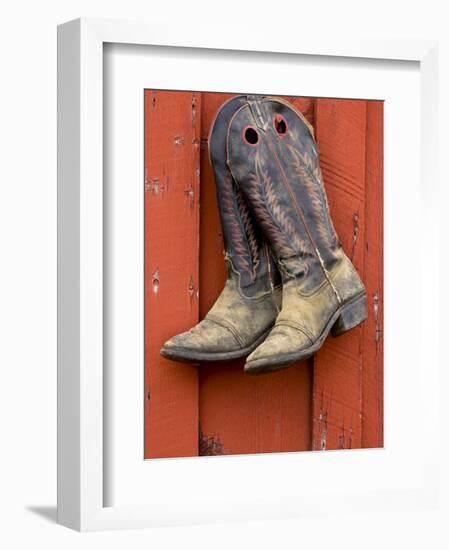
column 155, row 282
column 190, row 194
column 210, row 445
column 355, row 233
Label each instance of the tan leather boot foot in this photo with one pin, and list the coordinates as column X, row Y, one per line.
column 306, row 320
column 233, row 328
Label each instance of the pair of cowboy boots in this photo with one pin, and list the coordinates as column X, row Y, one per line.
column 289, row 281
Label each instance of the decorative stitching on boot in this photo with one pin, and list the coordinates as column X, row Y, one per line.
column 300, row 213
column 229, row 211
column 333, row 274
column 278, row 227
column 310, row 175
column 227, row 326
column 296, row 326
column 248, row 224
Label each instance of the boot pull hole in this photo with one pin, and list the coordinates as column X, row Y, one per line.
column 250, row 135
column 280, row 125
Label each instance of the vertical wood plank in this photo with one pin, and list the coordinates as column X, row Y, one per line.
column 372, row 388
column 337, row 389
column 241, row 413
column 172, row 132
column 306, row 105
column 212, row 267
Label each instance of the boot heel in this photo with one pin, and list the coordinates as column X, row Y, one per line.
column 352, row 315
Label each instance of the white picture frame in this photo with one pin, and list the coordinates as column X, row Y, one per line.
column 82, row 491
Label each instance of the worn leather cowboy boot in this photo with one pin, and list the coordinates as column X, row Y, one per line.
column 247, row 307
column 273, row 156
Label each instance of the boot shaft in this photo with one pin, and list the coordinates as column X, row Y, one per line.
column 246, row 250
column 273, row 156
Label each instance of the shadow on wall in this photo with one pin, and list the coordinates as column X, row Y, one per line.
column 47, row 512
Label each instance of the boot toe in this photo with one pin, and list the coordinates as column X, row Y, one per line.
column 282, row 346
column 206, row 338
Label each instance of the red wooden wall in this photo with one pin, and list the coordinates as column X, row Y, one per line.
column 332, row 401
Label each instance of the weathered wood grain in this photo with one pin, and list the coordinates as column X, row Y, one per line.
column 172, row 179
column 337, row 386
column 372, row 374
